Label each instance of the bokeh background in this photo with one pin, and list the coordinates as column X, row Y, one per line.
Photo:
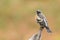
column 17, row 19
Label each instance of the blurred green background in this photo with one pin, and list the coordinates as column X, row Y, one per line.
column 17, row 19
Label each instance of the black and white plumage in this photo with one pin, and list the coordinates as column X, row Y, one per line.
column 41, row 19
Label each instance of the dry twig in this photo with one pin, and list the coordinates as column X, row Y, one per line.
column 36, row 36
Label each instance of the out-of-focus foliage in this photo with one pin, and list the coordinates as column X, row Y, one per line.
column 17, row 19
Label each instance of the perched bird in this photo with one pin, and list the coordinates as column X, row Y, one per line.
column 42, row 21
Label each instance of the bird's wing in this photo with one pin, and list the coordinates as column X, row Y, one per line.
column 45, row 20
column 46, row 23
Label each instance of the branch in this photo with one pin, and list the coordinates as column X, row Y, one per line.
column 36, row 36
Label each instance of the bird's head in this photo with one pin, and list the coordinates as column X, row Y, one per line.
column 38, row 12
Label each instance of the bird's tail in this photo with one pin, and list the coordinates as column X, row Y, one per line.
column 48, row 30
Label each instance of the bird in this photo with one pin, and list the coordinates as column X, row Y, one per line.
column 42, row 21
